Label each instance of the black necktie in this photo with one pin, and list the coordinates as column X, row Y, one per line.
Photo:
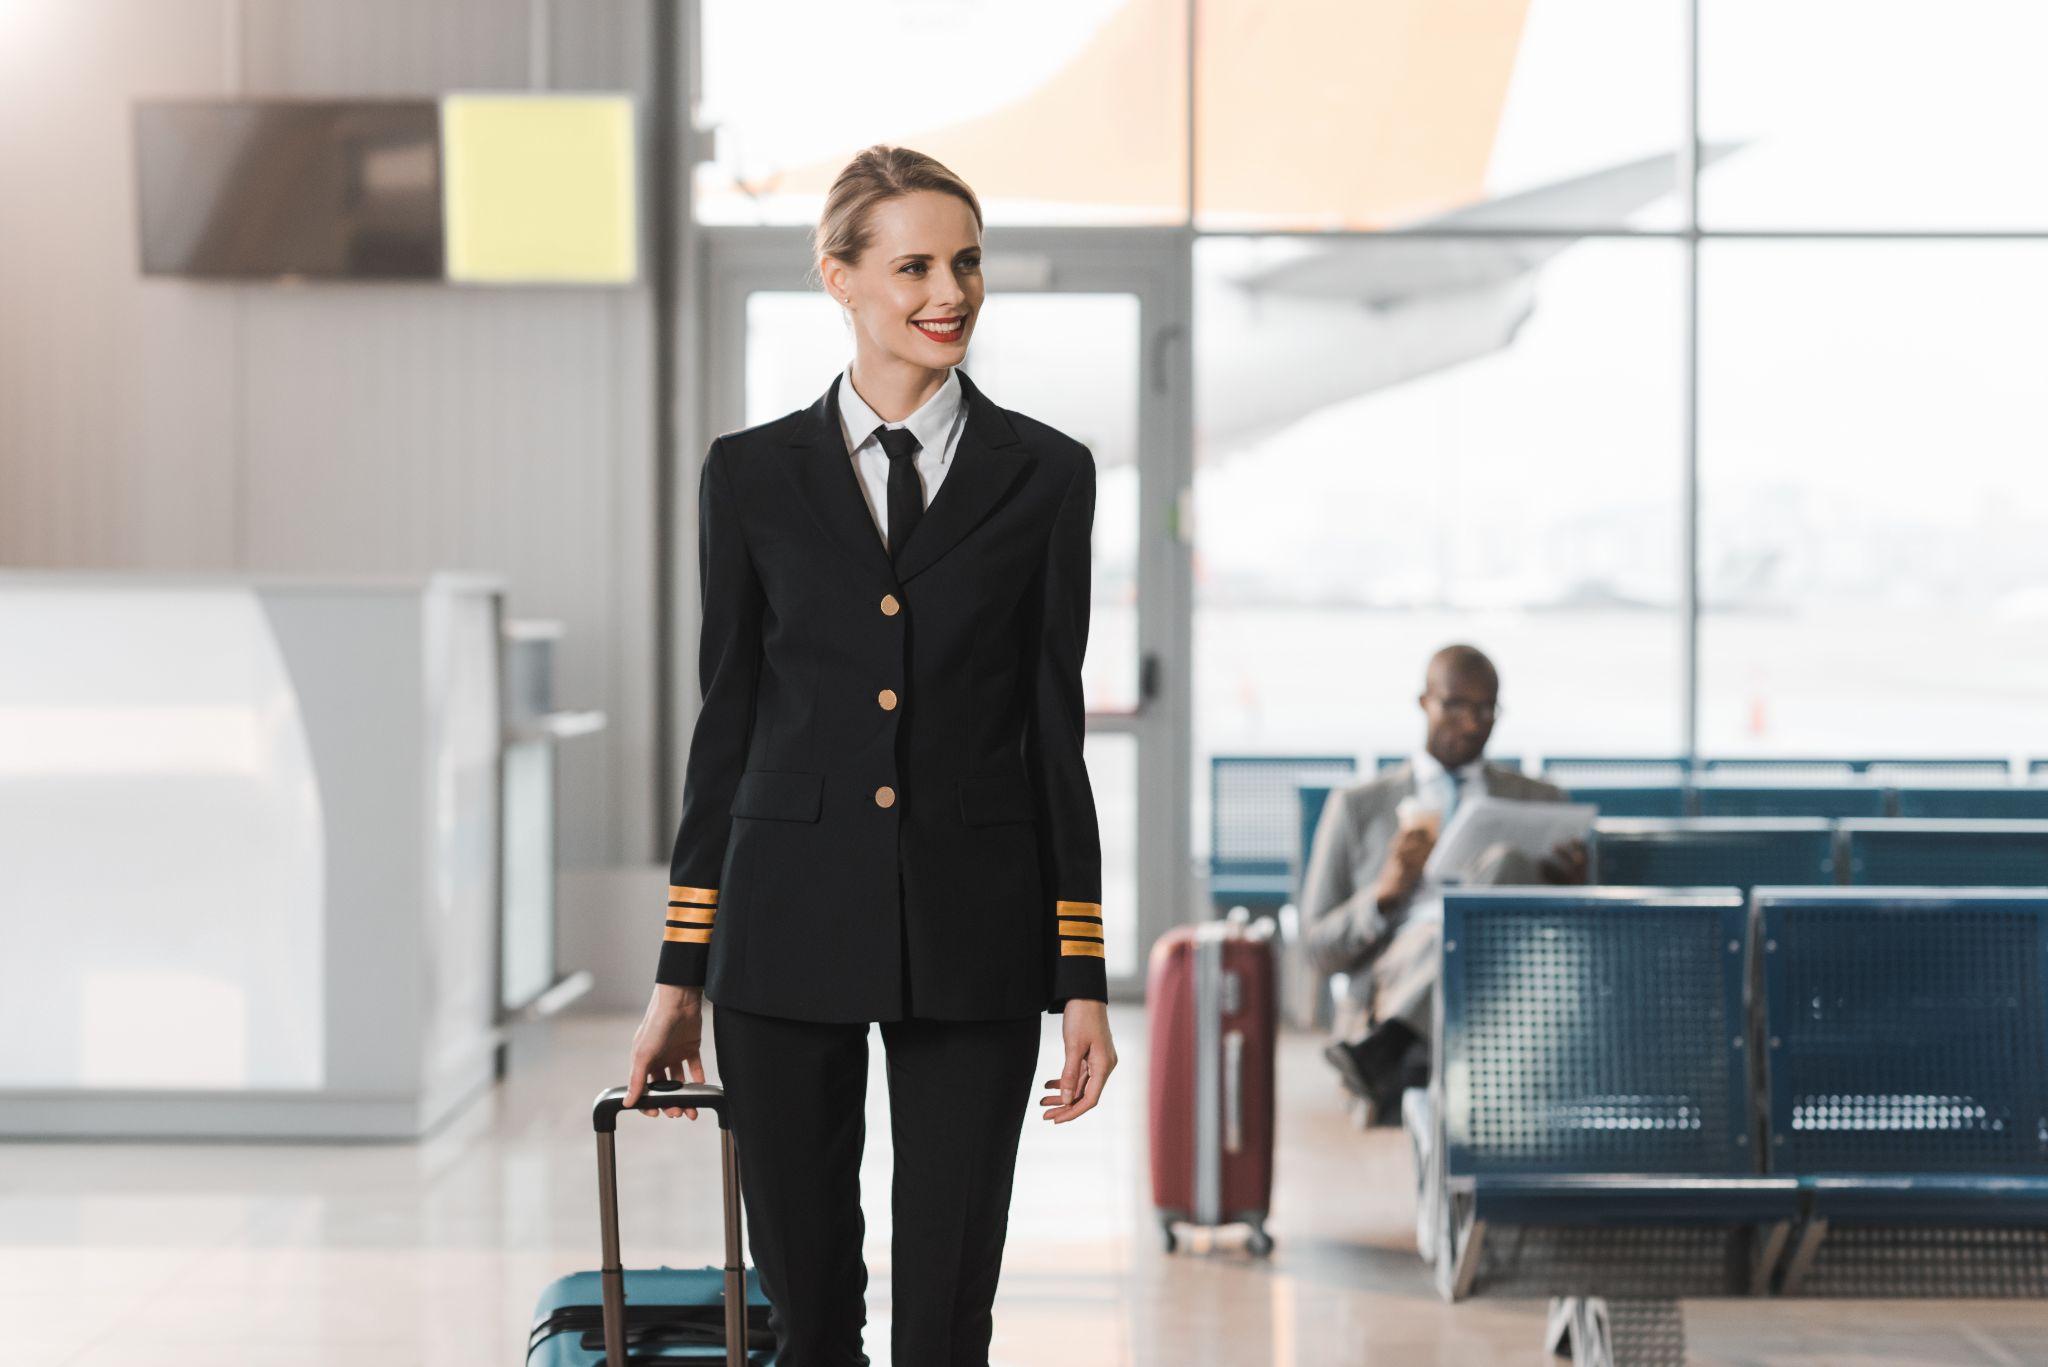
column 906, row 495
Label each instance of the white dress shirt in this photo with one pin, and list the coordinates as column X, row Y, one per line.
column 1434, row 788
column 936, row 424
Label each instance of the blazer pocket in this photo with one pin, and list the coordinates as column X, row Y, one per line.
column 996, row 795
column 778, row 795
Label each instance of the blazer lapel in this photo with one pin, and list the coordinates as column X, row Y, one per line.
column 828, row 485
column 983, row 467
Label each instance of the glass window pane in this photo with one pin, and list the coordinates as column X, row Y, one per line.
column 1071, row 113
column 1439, row 441
column 1071, row 360
column 1839, row 113
column 1872, row 565
column 1516, row 113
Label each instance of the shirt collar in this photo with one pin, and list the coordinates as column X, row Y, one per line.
column 1428, row 769
column 931, row 424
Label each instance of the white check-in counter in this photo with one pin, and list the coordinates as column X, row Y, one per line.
column 249, row 852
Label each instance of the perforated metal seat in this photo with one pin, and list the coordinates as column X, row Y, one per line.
column 1959, row 802
column 1718, row 795
column 1594, row 1068
column 1946, row 854
column 1667, row 801
column 1908, row 1054
column 1714, row 852
column 1254, row 823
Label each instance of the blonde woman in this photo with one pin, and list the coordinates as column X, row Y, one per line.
column 886, row 816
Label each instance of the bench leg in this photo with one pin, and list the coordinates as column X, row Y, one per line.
column 1425, row 1141
column 1594, row 1331
column 1815, row 1230
column 1457, row 1264
column 1578, row 1328
column 1557, row 1325
column 1446, row 1245
column 1764, row 1264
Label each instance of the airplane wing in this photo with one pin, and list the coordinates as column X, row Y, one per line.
column 1385, row 269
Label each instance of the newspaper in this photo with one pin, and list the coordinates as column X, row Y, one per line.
column 1480, row 823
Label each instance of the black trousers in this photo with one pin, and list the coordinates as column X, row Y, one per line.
column 798, row 1099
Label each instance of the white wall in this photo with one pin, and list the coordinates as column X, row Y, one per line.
column 176, row 425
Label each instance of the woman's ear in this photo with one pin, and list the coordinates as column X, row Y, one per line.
column 833, row 271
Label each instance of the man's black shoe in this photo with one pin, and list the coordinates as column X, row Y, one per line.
column 1371, row 1067
column 1339, row 1055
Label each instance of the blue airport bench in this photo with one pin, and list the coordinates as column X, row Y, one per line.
column 1840, row 766
column 1560, row 769
column 1713, row 852
column 1640, row 800
column 1908, row 1056
column 1313, row 797
column 1625, row 771
column 1956, row 802
column 1762, row 771
column 1914, row 772
column 1386, row 762
column 1719, row 797
column 1953, row 854
column 1624, row 785
column 1255, row 824
column 1592, row 1070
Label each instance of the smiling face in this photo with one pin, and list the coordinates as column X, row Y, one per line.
column 916, row 291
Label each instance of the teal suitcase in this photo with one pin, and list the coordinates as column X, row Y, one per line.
column 656, row 1315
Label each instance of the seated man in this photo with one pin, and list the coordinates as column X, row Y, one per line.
column 1366, row 909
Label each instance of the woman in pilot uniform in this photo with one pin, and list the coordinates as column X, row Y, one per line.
column 886, row 814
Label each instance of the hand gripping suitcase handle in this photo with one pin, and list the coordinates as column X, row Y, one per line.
column 604, row 1120
column 604, row 1112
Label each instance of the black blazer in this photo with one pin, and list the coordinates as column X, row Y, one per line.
column 885, row 809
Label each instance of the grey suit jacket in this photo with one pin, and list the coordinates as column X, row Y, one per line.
column 1342, row 924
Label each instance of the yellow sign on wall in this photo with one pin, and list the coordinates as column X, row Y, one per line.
column 539, row 188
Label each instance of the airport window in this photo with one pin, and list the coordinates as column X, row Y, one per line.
column 1403, row 444
column 1473, row 360
column 1064, row 114
column 1415, row 113
column 1873, row 575
column 1838, row 114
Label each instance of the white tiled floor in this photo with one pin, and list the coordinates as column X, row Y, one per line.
column 176, row 1255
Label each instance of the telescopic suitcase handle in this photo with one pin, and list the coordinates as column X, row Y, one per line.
column 604, row 1119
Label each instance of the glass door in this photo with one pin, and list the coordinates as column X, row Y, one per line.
column 1086, row 330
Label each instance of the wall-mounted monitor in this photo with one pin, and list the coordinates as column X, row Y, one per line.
column 490, row 187
column 288, row 188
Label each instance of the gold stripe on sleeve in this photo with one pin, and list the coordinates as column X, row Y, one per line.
column 1088, row 929
column 1089, row 948
column 696, row 916
column 706, row 895
column 1079, row 908
column 688, row 937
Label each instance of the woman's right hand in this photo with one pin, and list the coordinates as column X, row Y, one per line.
column 666, row 1045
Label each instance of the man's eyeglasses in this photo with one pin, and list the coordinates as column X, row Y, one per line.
column 1467, row 709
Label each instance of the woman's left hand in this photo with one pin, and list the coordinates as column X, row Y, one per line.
column 1090, row 1057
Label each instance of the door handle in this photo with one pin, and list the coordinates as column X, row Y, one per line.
column 1161, row 343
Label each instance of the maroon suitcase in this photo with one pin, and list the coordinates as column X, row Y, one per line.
column 1209, row 1003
